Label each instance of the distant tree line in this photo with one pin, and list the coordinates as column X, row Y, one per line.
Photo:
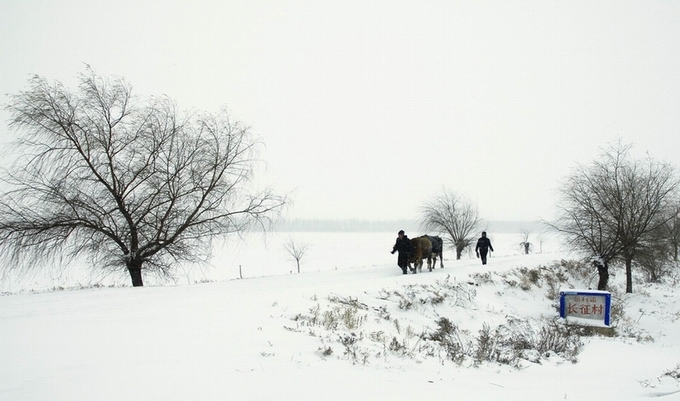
column 414, row 225
column 345, row 225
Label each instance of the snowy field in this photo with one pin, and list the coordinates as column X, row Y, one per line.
column 350, row 326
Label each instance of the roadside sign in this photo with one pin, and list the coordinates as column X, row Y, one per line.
column 586, row 306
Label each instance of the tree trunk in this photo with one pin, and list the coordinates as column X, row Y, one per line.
column 603, row 272
column 459, row 251
column 629, row 276
column 135, row 270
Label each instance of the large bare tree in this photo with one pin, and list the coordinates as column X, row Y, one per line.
column 659, row 256
column 130, row 183
column 671, row 230
column 453, row 215
column 615, row 206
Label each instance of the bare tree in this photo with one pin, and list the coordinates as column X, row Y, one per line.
column 658, row 256
column 449, row 213
column 541, row 240
column 671, row 229
column 525, row 244
column 130, row 184
column 614, row 207
column 297, row 250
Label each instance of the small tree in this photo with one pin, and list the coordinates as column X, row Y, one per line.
column 297, row 250
column 132, row 184
column 452, row 215
column 541, row 240
column 525, row 244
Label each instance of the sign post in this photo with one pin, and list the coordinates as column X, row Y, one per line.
column 588, row 307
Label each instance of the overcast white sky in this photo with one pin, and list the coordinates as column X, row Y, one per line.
column 369, row 108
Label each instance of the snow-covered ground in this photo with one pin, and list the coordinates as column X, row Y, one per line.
column 350, row 326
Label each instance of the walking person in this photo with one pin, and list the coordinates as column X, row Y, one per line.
column 404, row 247
column 600, row 262
column 483, row 247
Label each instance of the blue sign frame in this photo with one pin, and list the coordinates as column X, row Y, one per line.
column 564, row 310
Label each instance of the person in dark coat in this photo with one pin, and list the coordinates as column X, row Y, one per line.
column 404, row 247
column 483, row 247
column 602, row 270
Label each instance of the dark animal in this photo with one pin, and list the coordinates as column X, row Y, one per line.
column 422, row 249
column 437, row 250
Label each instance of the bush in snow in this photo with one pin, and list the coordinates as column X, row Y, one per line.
column 452, row 340
column 674, row 373
column 525, row 340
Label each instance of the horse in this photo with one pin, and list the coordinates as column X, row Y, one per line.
column 422, row 249
column 437, row 250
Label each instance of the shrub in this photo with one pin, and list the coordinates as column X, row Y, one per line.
column 518, row 340
column 451, row 339
column 673, row 373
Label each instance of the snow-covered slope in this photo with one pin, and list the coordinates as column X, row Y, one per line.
column 363, row 332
